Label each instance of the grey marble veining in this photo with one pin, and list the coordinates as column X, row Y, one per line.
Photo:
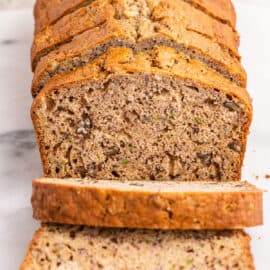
column 19, row 157
column 19, row 141
column 19, row 163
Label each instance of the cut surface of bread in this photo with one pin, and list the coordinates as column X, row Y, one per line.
column 49, row 11
column 136, row 17
column 153, row 115
column 147, row 204
column 94, row 42
column 78, row 247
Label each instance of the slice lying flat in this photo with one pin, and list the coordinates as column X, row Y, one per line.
column 147, row 204
column 77, row 247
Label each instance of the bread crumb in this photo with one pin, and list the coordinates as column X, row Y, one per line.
column 257, row 177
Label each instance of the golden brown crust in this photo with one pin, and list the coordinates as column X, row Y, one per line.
column 48, row 12
column 113, row 30
column 247, row 255
column 99, row 11
column 199, row 22
column 111, row 207
column 69, row 26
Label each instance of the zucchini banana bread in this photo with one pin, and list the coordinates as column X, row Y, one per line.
column 142, row 15
column 78, row 247
column 147, row 204
column 154, row 115
column 49, row 11
column 140, row 90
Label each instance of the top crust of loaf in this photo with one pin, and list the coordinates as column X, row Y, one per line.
column 49, row 11
column 162, row 60
column 83, row 47
column 100, row 11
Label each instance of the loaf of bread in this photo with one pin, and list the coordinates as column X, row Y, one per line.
column 154, row 115
column 149, row 94
column 136, row 16
column 77, row 247
column 147, row 204
column 49, row 11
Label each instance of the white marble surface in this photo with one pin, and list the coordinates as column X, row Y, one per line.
column 19, row 159
column 11, row 4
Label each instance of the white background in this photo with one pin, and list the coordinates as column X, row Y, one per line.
column 19, row 159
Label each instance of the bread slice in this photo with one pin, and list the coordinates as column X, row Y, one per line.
column 95, row 120
column 48, row 12
column 77, row 247
column 141, row 15
column 94, row 42
column 147, row 204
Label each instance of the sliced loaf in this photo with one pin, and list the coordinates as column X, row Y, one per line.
column 154, row 115
column 147, row 204
column 85, row 47
column 49, row 11
column 141, row 15
column 77, row 247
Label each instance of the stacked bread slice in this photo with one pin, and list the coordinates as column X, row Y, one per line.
column 147, row 204
column 141, row 116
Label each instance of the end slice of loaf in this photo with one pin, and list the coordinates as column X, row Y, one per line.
column 95, row 120
column 147, row 204
column 77, row 247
